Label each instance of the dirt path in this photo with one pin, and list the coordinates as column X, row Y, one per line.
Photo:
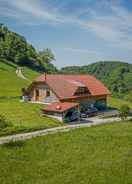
column 20, row 74
column 87, row 123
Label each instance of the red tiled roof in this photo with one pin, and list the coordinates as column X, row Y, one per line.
column 60, row 107
column 64, row 86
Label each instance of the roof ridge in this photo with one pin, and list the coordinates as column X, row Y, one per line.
column 64, row 74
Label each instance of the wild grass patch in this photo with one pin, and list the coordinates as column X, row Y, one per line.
column 14, row 144
column 4, row 123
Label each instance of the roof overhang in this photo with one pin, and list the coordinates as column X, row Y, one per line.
column 59, row 107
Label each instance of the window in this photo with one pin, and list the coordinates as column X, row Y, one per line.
column 37, row 92
column 47, row 93
column 82, row 91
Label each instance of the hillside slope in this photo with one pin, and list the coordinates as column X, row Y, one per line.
column 117, row 76
column 10, row 84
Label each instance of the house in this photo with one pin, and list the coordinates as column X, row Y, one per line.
column 64, row 93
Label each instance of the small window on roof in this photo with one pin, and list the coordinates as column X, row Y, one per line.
column 82, row 91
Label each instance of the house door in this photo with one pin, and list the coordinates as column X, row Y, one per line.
column 36, row 95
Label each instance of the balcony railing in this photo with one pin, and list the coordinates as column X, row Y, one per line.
column 49, row 99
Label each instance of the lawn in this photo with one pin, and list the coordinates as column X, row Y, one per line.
column 24, row 117
column 95, row 155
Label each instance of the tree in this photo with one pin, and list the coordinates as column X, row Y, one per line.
column 15, row 49
column 44, row 58
column 123, row 112
column 46, row 55
column 21, row 58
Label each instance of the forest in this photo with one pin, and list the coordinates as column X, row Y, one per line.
column 116, row 75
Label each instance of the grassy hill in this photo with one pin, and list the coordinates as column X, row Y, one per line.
column 22, row 116
column 117, row 76
column 10, row 84
column 96, row 155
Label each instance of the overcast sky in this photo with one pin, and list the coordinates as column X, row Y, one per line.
column 79, row 32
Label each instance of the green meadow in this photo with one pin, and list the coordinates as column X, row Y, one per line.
column 96, row 155
column 117, row 103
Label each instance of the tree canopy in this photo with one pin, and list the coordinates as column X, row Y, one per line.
column 117, row 76
column 16, row 49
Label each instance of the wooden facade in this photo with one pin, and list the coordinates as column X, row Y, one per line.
column 42, row 93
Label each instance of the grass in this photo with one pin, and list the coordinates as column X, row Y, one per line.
column 117, row 103
column 23, row 116
column 95, row 155
column 10, row 84
column 14, row 144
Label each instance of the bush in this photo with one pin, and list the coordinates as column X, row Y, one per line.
column 123, row 112
column 3, row 122
column 128, row 97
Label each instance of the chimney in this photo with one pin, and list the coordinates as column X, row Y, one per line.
column 45, row 76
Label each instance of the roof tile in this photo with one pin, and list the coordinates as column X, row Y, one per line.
column 60, row 107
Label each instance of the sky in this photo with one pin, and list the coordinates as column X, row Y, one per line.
column 79, row 32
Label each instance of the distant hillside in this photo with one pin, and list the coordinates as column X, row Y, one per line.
column 117, row 76
column 15, row 48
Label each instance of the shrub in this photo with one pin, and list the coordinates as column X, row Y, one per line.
column 128, row 97
column 3, row 122
column 124, row 111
